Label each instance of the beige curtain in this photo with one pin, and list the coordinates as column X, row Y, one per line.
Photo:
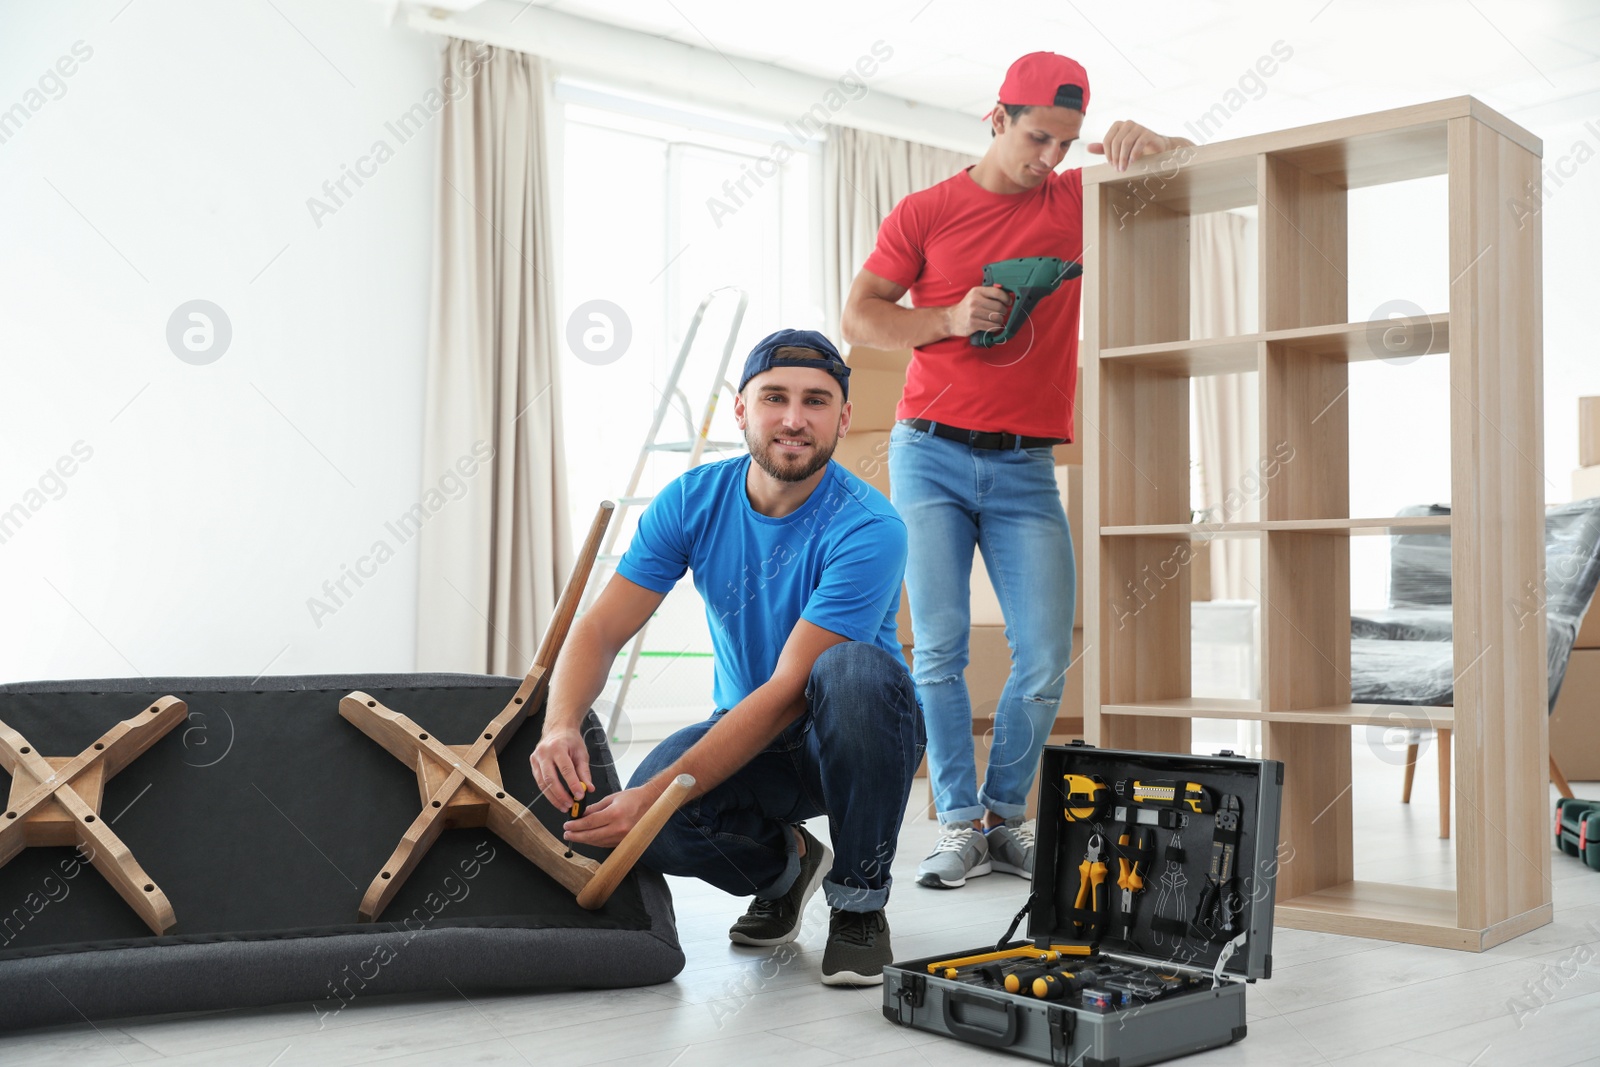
column 494, row 545
column 865, row 175
column 1227, row 412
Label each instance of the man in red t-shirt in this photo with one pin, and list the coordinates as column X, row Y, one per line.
column 970, row 462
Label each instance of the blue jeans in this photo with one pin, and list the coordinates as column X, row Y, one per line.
column 1007, row 505
column 851, row 757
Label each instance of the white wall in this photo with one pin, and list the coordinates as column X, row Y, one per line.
column 176, row 164
column 1571, row 214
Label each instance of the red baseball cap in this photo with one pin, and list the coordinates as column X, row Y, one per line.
column 1045, row 79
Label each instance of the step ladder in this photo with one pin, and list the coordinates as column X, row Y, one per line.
column 693, row 446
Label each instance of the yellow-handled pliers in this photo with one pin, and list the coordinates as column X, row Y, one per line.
column 1091, row 889
column 1131, row 847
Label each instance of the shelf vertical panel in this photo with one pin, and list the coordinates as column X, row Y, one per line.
column 1143, row 258
column 1305, row 653
column 1088, row 429
column 1143, row 606
column 1305, row 619
column 1145, row 647
column 1137, row 457
column 1144, row 447
column 1305, row 435
column 1304, row 247
column 1497, row 560
column 1305, row 596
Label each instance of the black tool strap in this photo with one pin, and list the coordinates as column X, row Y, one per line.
column 1219, row 877
column 1166, row 925
column 1091, row 920
column 1141, row 857
column 1175, row 853
column 1016, row 921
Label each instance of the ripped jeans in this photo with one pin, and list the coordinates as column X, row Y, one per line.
column 1007, row 505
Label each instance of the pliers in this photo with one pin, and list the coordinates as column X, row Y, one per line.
column 1134, row 842
column 1091, row 890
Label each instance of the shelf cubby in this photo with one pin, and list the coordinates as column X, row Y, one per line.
column 1139, row 359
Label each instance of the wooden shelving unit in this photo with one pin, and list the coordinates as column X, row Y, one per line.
column 1138, row 360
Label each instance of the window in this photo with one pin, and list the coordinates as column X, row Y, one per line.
column 659, row 205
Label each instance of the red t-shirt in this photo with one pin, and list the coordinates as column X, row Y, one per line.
column 936, row 243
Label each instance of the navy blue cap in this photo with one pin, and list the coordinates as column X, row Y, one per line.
column 763, row 357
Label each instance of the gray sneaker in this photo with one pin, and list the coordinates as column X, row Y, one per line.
column 962, row 853
column 1011, row 847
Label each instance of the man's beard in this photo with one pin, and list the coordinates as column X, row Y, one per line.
column 796, row 470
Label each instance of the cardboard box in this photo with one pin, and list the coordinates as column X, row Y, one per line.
column 1588, row 431
column 1588, row 632
column 1575, row 723
column 1200, row 572
column 865, row 453
column 988, row 667
column 878, row 378
column 1585, row 483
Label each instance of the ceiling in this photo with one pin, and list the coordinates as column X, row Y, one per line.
column 1167, row 62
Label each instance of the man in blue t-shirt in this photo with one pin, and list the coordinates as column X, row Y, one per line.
column 799, row 564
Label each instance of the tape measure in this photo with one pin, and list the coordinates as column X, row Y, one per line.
column 1087, row 796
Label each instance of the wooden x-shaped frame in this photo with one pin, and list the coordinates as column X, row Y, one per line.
column 55, row 801
column 461, row 786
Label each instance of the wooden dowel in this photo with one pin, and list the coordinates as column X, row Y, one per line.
column 617, row 865
column 1559, row 779
column 567, row 607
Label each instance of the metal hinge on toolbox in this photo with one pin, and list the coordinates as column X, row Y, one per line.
column 908, row 1000
column 1217, row 977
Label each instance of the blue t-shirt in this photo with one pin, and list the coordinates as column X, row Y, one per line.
column 837, row 562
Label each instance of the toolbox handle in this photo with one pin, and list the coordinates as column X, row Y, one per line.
column 979, row 1035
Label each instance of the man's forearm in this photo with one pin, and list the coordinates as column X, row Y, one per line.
column 878, row 323
column 580, row 677
column 735, row 739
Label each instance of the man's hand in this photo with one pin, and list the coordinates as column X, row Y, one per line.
column 1127, row 141
column 985, row 307
column 561, row 766
column 609, row 821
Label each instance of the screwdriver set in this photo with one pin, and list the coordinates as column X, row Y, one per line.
column 1149, row 911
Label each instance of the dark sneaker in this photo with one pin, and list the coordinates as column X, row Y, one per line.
column 777, row 922
column 858, row 948
column 1011, row 847
column 961, row 853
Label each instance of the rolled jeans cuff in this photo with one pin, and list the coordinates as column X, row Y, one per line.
column 1001, row 808
column 968, row 814
column 791, row 870
column 854, row 898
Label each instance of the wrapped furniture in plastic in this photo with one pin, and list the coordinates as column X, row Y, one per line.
column 1403, row 654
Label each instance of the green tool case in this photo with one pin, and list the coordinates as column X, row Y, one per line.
column 1578, row 829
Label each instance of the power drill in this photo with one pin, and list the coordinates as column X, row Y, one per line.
column 1028, row 280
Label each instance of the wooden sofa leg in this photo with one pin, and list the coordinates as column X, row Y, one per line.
column 1559, row 779
column 1411, row 772
column 1444, row 783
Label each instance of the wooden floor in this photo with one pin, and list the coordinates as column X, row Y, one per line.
column 1331, row 999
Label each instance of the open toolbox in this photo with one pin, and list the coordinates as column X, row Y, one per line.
column 1149, row 910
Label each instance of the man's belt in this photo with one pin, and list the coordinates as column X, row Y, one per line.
column 980, row 438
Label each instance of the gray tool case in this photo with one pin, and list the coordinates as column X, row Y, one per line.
column 1167, row 977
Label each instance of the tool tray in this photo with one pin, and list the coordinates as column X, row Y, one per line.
column 1162, row 979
